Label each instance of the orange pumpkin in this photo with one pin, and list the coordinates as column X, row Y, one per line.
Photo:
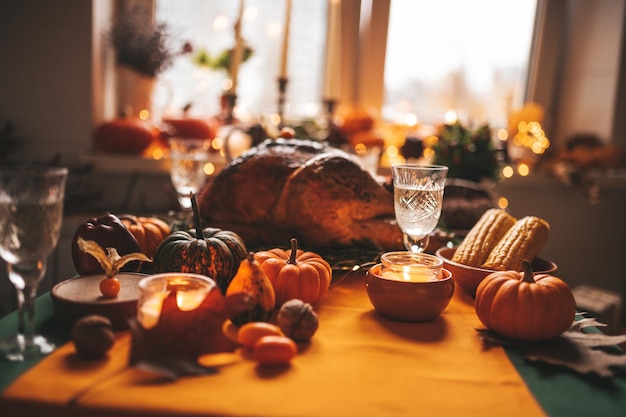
column 524, row 307
column 124, row 136
column 148, row 231
column 295, row 273
column 189, row 127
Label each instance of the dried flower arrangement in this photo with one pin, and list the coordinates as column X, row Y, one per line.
column 141, row 45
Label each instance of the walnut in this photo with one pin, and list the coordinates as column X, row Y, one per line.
column 297, row 320
column 93, row 336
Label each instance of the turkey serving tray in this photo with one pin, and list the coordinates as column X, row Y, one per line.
column 78, row 297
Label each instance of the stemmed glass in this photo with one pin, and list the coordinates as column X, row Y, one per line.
column 418, row 196
column 187, row 169
column 31, row 213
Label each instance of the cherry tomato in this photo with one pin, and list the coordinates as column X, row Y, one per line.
column 249, row 333
column 110, row 287
column 274, row 350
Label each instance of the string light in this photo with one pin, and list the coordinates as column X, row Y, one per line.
column 507, row 171
column 209, row 168
column 530, row 135
column 523, row 169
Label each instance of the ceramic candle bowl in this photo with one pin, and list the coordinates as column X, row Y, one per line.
column 468, row 277
column 408, row 300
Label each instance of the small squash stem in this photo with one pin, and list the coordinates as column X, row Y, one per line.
column 196, row 216
column 528, row 272
column 250, row 257
column 294, row 251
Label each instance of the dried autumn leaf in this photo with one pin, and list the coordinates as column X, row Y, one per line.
column 110, row 261
column 584, row 352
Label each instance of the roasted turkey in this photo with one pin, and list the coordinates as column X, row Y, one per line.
column 288, row 188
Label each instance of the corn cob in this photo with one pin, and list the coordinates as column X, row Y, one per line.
column 481, row 238
column 523, row 241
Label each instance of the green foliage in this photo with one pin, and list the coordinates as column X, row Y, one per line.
column 469, row 155
column 221, row 61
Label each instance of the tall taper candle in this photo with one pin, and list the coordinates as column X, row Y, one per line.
column 237, row 51
column 285, row 49
column 333, row 52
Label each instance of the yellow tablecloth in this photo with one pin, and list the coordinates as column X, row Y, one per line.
column 358, row 364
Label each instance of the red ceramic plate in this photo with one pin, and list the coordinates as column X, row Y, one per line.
column 80, row 296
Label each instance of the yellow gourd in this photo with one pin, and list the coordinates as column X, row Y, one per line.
column 251, row 279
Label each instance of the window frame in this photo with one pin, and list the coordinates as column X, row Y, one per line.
column 364, row 25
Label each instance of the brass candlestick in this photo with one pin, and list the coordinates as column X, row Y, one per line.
column 230, row 100
column 334, row 137
column 329, row 106
column 282, row 89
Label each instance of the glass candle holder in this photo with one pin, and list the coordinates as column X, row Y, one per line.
column 411, row 266
column 188, row 290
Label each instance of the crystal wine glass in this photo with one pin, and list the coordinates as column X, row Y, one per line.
column 31, row 213
column 187, row 169
column 418, row 196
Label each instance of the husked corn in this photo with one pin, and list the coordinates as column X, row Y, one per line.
column 523, row 241
column 483, row 237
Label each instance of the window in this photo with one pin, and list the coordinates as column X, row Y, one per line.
column 470, row 57
column 209, row 25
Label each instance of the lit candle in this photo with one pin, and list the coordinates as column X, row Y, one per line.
column 411, row 266
column 237, row 51
column 283, row 56
column 189, row 291
column 409, row 274
column 333, row 51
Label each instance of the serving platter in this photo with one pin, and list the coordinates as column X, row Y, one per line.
column 80, row 296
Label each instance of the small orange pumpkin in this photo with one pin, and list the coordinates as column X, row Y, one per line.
column 124, row 136
column 149, row 231
column 524, row 307
column 189, row 127
column 295, row 273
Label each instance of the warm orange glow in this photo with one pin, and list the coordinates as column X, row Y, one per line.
column 391, row 156
column 502, row 134
column 360, row 149
column 507, row 171
column 428, row 153
column 503, row 202
column 522, row 127
column 537, row 148
column 392, row 151
column 157, row 154
column 523, row 169
column 430, row 141
column 144, row 114
column 217, row 144
column 209, row 168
